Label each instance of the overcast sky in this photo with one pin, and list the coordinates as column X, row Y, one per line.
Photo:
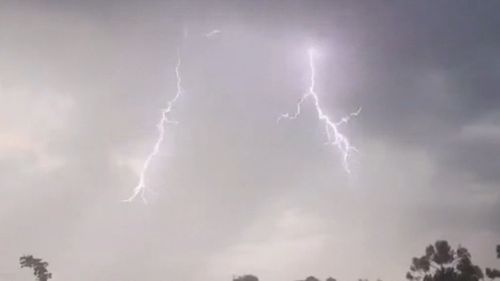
column 82, row 85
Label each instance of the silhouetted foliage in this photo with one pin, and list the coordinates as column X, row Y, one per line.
column 39, row 267
column 493, row 273
column 247, row 277
column 311, row 278
column 331, row 279
column 442, row 263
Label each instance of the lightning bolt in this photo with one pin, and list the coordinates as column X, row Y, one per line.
column 212, row 33
column 333, row 134
column 140, row 189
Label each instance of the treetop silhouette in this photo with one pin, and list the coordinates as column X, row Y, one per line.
column 493, row 273
column 39, row 267
column 442, row 263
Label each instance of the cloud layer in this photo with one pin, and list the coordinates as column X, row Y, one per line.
column 82, row 85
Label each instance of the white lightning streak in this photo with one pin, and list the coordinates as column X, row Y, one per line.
column 140, row 188
column 333, row 134
column 212, row 33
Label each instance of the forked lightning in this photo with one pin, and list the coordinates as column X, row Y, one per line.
column 333, row 134
column 141, row 188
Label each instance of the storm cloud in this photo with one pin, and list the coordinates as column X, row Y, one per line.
column 82, row 84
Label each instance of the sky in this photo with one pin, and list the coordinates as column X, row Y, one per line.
column 82, row 85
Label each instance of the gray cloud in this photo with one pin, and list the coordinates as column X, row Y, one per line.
column 82, row 84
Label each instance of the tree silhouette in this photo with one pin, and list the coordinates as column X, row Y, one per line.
column 247, row 277
column 493, row 273
column 311, row 278
column 39, row 267
column 442, row 263
column 331, row 279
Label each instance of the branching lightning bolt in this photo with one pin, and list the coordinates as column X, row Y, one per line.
column 140, row 188
column 333, row 134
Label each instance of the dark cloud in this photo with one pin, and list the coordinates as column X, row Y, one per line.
column 82, row 84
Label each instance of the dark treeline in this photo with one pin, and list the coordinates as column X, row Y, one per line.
column 440, row 262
